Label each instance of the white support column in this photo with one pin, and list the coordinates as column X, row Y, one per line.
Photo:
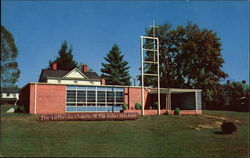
column 115, row 97
column 35, row 98
column 96, row 98
column 170, row 101
column 158, row 72
column 196, row 102
column 76, row 99
column 86, row 97
column 105, row 92
column 142, row 78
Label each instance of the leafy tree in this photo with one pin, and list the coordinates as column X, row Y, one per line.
column 237, row 92
column 115, row 71
column 9, row 67
column 65, row 59
column 231, row 96
column 221, row 98
column 189, row 58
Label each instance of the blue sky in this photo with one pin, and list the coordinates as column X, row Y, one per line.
column 40, row 27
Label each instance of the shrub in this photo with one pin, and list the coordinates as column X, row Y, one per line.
column 155, row 105
column 20, row 109
column 125, row 106
column 167, row 112
column 137, row 106
column 228, row 127
column 177, row 111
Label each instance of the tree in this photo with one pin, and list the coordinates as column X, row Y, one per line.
column 9, row 67
column 65, row 59
column 80, row 65
column 237, row 93
column 189, row 58
column 115, row 72
column 232, row 96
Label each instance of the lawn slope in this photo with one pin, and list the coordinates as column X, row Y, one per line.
column 158, row 136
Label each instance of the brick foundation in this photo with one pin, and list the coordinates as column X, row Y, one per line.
column 163, row 112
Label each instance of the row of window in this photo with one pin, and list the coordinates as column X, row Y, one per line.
column 94, row 88
column 94, row 96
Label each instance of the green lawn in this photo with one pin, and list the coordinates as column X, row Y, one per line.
column 149, row 136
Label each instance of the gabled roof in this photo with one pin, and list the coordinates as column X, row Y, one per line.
column 77, row 70
column 61, row 73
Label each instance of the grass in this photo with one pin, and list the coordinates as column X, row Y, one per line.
column 149, row 136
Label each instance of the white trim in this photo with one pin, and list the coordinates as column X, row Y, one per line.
column 75, row 96
column 96, row 98
column 76, row 70
column 106, row 96
column 35, row 91
column 196, row 101
column 142, row 78
column 184, row 90
column 170, row 105
column 158, row 73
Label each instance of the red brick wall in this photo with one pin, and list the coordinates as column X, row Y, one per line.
column 50, row 99
column 25, row 98
column 32, row 99
column 132, row 95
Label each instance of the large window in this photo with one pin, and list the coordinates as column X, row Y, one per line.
column 90, row 98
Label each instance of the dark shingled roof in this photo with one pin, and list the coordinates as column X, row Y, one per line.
column 9, row 90
column 60, row 73
column 91, row 75
column 51, row 73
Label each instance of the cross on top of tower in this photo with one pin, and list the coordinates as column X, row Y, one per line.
column 154, row 26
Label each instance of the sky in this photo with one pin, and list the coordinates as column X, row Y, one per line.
column 93, row 27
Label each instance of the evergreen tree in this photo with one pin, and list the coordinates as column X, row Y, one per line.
column 9, row 67
column 65, row 59
column 115, row 72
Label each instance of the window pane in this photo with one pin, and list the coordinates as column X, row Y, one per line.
column 91, row 104
column 101, row 104
column 81, row 88
column 71, row 95
column 81, row 96
column 71, row 104
column 101, row 96
column 117, row 89
column 119, row 97
column 91, row 96
column 71, row 87
column 110, row 96
column 101, row 88
column 91, row 88
column 80, row 104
